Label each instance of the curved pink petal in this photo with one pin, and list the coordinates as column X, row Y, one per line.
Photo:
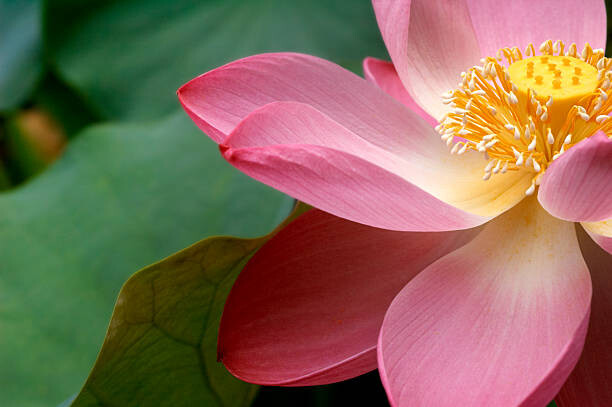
column 218, row 100
column 578, row 185
column 601, row 233
column 499, row 322
column 589, row 383
column 430, row 43
column 384, row 75
column 302, row 152
column 350, row 187
column 308, row 306
column 501, row 24
column 241, row 91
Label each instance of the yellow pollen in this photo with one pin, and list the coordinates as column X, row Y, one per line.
column 524, row 113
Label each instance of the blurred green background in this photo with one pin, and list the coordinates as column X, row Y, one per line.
column 91, row 87
column 101, row 173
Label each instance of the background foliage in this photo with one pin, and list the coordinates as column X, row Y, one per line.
column 92, row 85
column 101, row 174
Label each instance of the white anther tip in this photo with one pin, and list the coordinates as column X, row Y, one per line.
column 532, row 145
column 512, row 98
column 536, row 166
column 550, row 137
column 504, row 168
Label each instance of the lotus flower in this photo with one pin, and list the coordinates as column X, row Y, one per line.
column 455, row 266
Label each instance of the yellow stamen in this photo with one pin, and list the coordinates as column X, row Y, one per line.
column 529, row 111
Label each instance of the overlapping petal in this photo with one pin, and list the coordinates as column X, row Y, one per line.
column 308, row 306
column 589, row 383
column 577, row 186
column 302, row 152
column 218, row 100
column 601, row 232
column 499, row 24
column 499, row 322
column 430, row 44
column 384, row 75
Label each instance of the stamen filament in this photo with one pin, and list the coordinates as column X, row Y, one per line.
column 525, row 113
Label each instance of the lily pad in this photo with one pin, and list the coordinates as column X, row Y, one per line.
column 160, row 348
column 151, row 47
column 20, row 50
column 122, row 197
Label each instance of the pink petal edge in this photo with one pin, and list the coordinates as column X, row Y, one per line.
column 219, row 100
column 308, row 306
column 589, row 383
column 497, row 322
column 300, row 151
column 601, row 233
column 384, row 75
column 349, row 187
column 577, row 186
column 500, row 24
column 239, row 93
column 430, row 44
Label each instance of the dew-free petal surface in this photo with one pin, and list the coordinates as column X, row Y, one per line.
column 500, row 321
column 578, row 185
column 240, row 91
column 601, row 233
column 500, row 24
column 308, row 306
column 218, row 100
column 430, row 44
column 384, row 75
column 299, row 150
column 589, row 383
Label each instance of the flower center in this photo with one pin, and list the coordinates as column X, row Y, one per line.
column 526, row 112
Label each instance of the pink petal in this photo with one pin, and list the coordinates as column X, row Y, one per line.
column 384, row 75
column 589, row 383
column 578, row 185
column 302, row 152
column 240, row 92
column 499, row 322
column 601, row 232
column 350, row 187
column 218, row 100
column 501, row 24
column 430, row 44
column 308, row 306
